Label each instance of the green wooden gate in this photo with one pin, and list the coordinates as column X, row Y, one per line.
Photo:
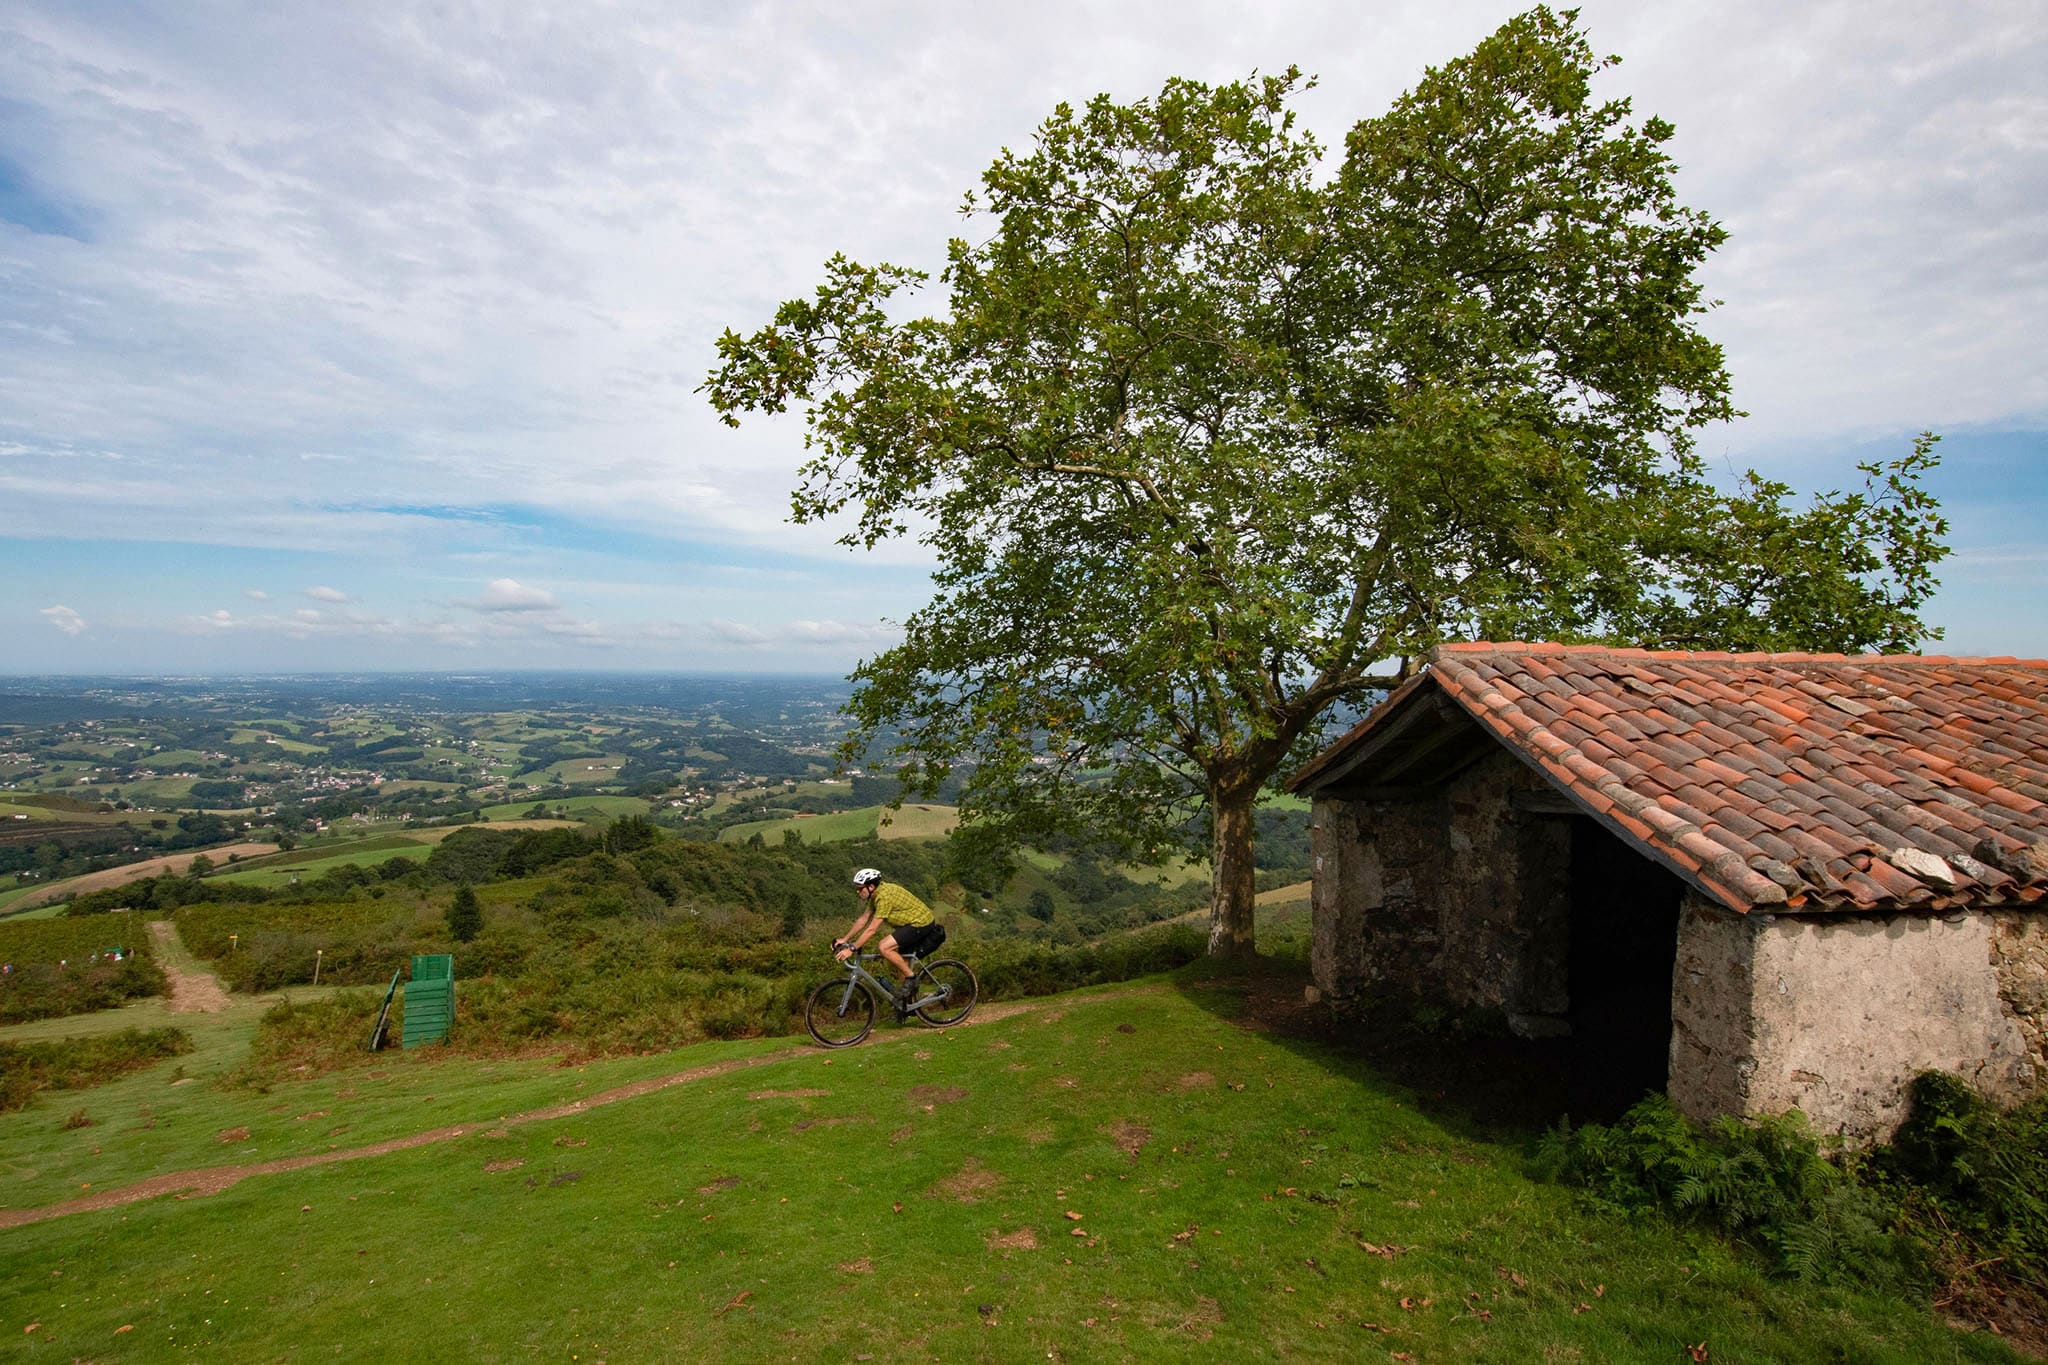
column 430, row 999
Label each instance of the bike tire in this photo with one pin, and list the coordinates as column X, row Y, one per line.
column 957, row 983
column 837, row 1018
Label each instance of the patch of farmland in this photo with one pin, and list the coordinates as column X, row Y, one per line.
column 584, row 772
column 368, row 853
column 917, row 821
column 911, row 822
column 814, row 829
column 174, row 863
column 578, row 808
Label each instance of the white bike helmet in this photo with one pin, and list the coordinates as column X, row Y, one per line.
column 867, row 876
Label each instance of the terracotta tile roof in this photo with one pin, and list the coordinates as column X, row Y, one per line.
column 1788, row 781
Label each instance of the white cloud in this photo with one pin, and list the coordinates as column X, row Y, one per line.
column 256, row 594
column 508, row 594
column 738, row 633
column 64, row 619
column 842, row 632
column 482, row 256
column 866, row 636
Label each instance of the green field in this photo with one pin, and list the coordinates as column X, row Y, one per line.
column 279, row 869
column 910, row 822
column 1118, row 1174
column 589, row 809
column 279, row 739
column 581, row 772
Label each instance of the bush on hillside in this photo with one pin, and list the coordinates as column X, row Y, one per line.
column 80, row 1063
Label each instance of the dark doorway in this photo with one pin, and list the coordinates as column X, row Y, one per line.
column 1624, row 944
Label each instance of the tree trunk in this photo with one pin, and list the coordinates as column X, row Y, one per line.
column 1233, row 891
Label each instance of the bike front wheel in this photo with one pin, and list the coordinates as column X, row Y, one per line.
column 840, row 1013
column 954, row 984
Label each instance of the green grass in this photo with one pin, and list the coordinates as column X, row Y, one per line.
column 159, row 791
column 912, row 821
column 284, row 742
column 66, row 814
column 589, row 809
column 1239, row 1197
column 585, row 772
column 11, row 812
column 52, row 911
column 817, row 829
column 307, row 863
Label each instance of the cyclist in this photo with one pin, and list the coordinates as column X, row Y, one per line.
column 911, row 926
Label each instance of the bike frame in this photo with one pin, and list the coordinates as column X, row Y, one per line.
column 855, row 974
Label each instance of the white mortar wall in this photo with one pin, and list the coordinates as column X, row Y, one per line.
column 1846, row 1010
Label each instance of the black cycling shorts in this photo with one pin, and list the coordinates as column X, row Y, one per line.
column 919, row 938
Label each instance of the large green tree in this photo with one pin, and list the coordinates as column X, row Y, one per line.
column 1208, row 440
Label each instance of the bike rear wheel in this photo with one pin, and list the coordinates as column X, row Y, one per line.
column 840, row 1013
column 955, row 986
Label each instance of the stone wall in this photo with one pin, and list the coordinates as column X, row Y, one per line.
column 1833, row 1015
column 1453, row 897
column 2019, row 954
column 1713, row 1032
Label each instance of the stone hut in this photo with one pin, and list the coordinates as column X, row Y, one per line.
column 1757, row 881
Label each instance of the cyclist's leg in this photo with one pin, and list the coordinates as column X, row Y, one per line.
column 894, row 958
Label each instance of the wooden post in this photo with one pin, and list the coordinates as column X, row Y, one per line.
column 316, row 965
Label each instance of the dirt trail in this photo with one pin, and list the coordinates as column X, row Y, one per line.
column 214, row 1179
column 193, row 991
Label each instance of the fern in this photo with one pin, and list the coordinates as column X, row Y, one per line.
column 1764, row 1182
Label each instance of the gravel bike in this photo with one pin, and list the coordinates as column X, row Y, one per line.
column 841, row 1011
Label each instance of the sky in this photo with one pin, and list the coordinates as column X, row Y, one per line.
column 368, row 337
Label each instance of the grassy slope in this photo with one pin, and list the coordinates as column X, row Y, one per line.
column 821, row 1205
column 584, row 808
column 910, row 822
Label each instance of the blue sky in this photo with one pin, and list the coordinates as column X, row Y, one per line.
column 338, row 337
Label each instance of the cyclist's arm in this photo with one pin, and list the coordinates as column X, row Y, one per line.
column 863, row 928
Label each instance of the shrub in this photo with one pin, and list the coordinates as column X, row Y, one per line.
column 1762, row 1181
column 465, row 916
column 1978, row 1175
column 81, row 1063
column 45, row 990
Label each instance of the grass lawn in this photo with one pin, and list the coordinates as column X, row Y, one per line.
column 1122, row 1174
